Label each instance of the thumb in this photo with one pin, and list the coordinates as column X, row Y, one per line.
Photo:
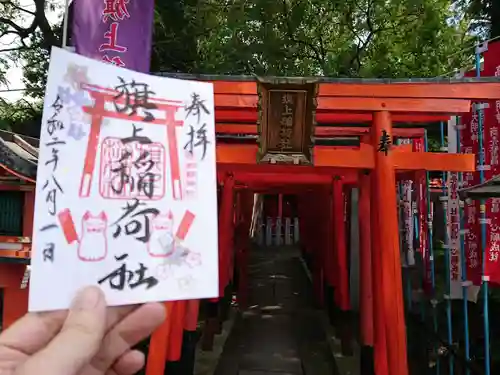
column 79, row 340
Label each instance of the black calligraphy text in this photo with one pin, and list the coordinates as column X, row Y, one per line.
column 139, row 221
column 122, row 276
column 135, row 95
column 385, row 143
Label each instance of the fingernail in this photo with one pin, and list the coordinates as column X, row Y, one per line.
column 87, row 298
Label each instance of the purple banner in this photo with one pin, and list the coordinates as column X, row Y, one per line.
column 115, row 31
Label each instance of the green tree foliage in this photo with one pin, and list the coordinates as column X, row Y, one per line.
column 35, row 65
column 22, row 117
column 337, row 38
column 484, row 16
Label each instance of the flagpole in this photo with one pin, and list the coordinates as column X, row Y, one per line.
column 65, row 25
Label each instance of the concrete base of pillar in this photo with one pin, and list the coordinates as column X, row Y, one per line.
column 340, row 320
column 211, row 325
column 367, row 360
column 185, row 366
column 345, row 333
column 331, row 308
column 225, row 304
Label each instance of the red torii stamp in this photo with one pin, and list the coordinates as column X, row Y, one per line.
column 98, row 112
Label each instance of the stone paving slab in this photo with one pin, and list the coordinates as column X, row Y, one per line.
column 281, row 333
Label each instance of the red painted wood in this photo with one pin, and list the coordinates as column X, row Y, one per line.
column 387, row 227
column 339, row 230
column 226, row 233
column 365, row 262
column 251, row 116
column 176, row 331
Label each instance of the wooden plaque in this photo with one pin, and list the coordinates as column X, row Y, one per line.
column 286, row 122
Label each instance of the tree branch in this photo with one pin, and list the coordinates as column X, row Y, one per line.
column 21, row 31
column 361, row 45
column 49, row 38
column 316, row 52
column 13, row 49
column 15, row 6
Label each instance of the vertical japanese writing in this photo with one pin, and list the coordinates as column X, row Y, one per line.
column 196, row 110
column 286, row 122
column 191, row 176
column 493, row 146
column 494, row 242
column 469, row 145
column 132, row 174
column 474, row 126
column 143, row 182
column 133, row 96
column 51, row 188
column 454, row 226
column 491, row 125
column 497, row 102
column 407, row 220
column 112, row 181
column 114, row 12
column 385, row 142
column 139, row 221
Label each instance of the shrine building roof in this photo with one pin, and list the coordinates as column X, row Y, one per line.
column 18, row 156
column 488, row 189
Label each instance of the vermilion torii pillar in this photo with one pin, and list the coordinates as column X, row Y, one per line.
column 236, row 100
column 390, row 292
column 340, row 251
column 366, row 280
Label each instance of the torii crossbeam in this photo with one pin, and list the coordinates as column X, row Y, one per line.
column 290, row 140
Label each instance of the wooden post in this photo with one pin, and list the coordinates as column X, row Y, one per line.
column 211, row 324
column 242, row 248
column 342, row 296
column 190, row 334
column 388, row 242
column 182, row 352
column 316, row 238
column 158, row 345
column 280, row 205
column 365, row 279
column 342, row 285
column 242, row 261
column 225, row 233
column 226, row 236
column 176, row 331
column 330, row 260
column 15, row 299
column 176, row 337
column 380, row 341
column 237, row 207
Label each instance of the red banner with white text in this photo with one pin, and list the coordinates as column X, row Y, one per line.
column 472, row 238
column 423, row 216
column 491, row 115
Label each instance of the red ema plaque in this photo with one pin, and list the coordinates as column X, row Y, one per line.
column 286, row 120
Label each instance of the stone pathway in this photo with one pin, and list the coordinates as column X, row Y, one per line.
column 280, row 333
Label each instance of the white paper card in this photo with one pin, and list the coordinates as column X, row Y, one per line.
column 126, row 187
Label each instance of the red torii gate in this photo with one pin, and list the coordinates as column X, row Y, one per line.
column 374, row 172
column 380, row 103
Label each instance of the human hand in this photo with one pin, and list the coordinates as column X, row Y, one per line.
column 89, row 339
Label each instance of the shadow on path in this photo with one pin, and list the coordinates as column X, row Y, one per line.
column 281, row 332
